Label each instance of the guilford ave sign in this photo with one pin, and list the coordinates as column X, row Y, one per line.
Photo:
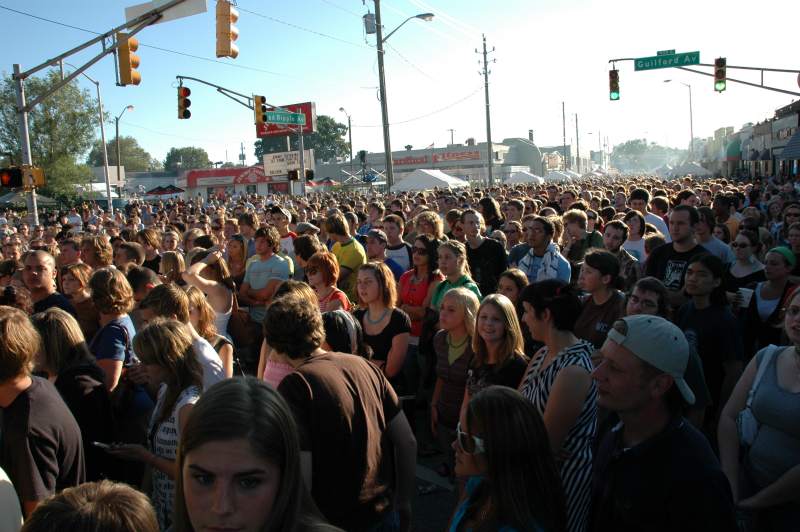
column 667, row 61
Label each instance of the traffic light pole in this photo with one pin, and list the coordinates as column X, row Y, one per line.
column 25, row 145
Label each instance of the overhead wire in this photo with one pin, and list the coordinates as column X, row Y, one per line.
column 426, row 115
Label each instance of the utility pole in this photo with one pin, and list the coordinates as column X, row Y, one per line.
column 242, row 156
column 486, row 73
column 564, row 133
column 451, row 135
column 387, row 143
column 577, row 146
column 25, row 145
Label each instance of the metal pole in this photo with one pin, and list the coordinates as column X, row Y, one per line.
column 691, row 123
column 119, row 159
column 25, row 142
column 387, row 145
column 577, row 146
column 105, row 150
column 302, row 163
column 489, row 148
column 564, row 133
column 350, row 135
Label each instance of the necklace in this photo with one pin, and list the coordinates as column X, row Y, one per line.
column 456, row 346
column 375, row 322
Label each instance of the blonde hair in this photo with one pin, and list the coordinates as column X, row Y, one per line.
column 61, row 337
column 513, row 344
column 468, row 302
column 173, row 265
column 19, row 343
column 433, row 219
column 205, row 314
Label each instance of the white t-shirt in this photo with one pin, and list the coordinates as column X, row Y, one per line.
column 10, row 512
column 213, row 371
column 659, row 223
column 635, row 248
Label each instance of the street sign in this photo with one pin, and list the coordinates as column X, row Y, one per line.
column 667, row 61
column 308, row 109
column 187, row 8
column 279, row 117
column 276, row 164
column 666, row 52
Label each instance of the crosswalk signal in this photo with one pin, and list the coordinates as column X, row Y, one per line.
column 720, row 75
column 260, row 109
column 184, row 102
column 11, row 177
column 309, row 175
column 294, row 175
column 613, row 85
column 33, row 175
column 226, row 31
column 128, row 61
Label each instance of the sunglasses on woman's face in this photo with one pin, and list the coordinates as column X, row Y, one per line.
column 420, row 251
column 469, row 444
column 742, row 245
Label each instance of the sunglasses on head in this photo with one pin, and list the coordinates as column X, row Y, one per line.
column 469, row 444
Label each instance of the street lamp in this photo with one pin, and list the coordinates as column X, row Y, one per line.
column 691, row 118
column 350, row 135
column 387, row 145
column 102, row 139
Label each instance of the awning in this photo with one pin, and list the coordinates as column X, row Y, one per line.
column 792, row 150
column 734, row 150
column 765, row 155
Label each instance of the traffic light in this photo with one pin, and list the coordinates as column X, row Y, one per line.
column 11, row 177
column 128, row 61
column 613, row 84
column 260, row 109
column 294, row 175
column 309, row 175
column 184, row 102
column 34, row 175
column 226, row 31
column 720, row 67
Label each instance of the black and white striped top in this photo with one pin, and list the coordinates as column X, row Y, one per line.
column 576, row 471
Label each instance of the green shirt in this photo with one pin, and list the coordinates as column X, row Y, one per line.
column 445, row 286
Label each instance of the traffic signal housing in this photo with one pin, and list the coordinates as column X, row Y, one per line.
column 11, row 177
column 128, row 61
column 309, row 175
column 720, row 74
column 260, row 109
column 294, row 175
column 226, row 31
column 613, row 85
column 184, row 102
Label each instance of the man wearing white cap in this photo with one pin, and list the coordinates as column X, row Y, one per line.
column 654, row 470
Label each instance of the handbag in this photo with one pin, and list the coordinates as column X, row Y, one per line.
column 746, row 423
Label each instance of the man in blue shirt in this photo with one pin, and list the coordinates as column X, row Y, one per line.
column 376, row 251
column 543, row 260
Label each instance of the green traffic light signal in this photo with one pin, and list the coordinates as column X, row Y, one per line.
column 613, row 95
column 721, row 85
column 613, row 85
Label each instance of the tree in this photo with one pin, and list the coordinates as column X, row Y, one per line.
column 638, row 155
column 186, row 159
column 134, row 157
column 62, row 176
column 61, row 129
column 328, row 142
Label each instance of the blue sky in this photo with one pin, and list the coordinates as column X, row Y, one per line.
column 315, row 50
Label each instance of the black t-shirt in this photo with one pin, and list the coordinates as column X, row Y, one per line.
column 41, row 447
column 732, row 284
column 509, row 374
column 153, row 264
column 55, row 300
column 669, row 266
column 82, row 386
column 486, row 263
column 381, row 343
column 670, row 482
column 343, row 405
column 715, row 333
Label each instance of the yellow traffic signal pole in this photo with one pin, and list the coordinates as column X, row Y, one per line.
column 23, row 107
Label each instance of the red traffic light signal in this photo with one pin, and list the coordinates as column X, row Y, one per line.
column 11, row 177
column 184, row 102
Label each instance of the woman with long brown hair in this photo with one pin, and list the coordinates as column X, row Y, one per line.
column 201, row 316
column 210, row 274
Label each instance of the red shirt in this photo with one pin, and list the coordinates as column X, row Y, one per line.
column 414, row 294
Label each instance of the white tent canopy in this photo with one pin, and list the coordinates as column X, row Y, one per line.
column 428, row 179
column 524, row 177
column 571, row 173
column 557, row 176
column 690, row 168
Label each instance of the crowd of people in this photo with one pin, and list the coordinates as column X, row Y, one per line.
column 591, row 356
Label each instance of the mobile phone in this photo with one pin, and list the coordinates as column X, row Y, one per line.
column 101, row 445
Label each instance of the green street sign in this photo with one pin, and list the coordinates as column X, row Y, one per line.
column 667, row 61
column 279, row 117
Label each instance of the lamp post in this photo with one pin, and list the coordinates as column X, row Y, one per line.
column 103, row 140
column 387, row 145
column 350, row 135
column 116, row 121
column 691, row 118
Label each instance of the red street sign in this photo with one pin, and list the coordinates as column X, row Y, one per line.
column 280, row 130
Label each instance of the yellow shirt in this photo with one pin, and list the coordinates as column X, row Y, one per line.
column 350, row 255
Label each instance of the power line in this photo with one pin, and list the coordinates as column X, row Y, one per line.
column 436, row 111
column 156, row 132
